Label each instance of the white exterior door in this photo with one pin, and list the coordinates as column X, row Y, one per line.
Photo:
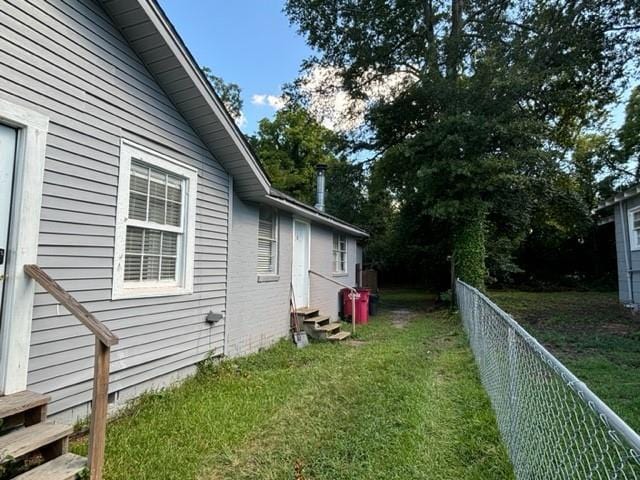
column 300, row 267
column 7, row 159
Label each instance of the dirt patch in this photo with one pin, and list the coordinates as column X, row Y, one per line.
column 619, row 328
column 355, row 343
column 400, row 318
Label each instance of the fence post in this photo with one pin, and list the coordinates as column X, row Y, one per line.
column 454, row 284
column 513, row 396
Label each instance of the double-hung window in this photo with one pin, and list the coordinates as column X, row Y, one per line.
column 267, row 241
column 634, row 228
column 155, row 225
column 339, row 253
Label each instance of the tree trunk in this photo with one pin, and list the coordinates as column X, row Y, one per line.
column 469, row 251
column 454, row 56
column 431, row 47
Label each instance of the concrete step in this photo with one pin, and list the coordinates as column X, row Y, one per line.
column 317, row 320
column 65, row 467
column 339, row 336
column 307, row 311
column 21, row 402
column 27, row 440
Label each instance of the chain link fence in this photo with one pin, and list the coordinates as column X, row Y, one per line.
column 553, row 426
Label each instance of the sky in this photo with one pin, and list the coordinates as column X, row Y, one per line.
column 248, row 42
column 251, row 43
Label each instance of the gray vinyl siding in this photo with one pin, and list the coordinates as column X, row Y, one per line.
column 65, row 59
column 324, row 294
column 257, row 311
column 623, row 251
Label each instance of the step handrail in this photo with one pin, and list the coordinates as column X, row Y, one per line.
column 354, row 295
column 105, row 339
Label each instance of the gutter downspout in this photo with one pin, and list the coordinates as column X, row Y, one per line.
column 627, row 251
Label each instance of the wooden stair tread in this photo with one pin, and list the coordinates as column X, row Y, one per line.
column 307, row 311
column 318, row 319
column 328, row 327
column 27, row 440
column 21, row 402
column 339, row 336
column 64, row 467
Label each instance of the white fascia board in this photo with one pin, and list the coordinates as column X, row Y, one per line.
column 205, row 90
column 314, row 216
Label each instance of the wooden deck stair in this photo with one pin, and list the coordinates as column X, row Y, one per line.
column 319, row 326
column 26, row 438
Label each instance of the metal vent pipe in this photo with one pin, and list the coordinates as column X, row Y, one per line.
column 321, row 170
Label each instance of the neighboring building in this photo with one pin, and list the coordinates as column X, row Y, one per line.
column 124, row 178
column 625, row 209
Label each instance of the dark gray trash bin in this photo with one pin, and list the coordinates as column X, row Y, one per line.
column 374, row 298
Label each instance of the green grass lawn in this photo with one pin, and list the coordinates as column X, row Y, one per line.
column 402, row 402
column 592, row 334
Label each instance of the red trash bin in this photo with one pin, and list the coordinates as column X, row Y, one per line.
column 362, row 304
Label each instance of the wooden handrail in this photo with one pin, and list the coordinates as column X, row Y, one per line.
column 101, row 332
column 105, row 339
column 334, row 281
column 354, row 295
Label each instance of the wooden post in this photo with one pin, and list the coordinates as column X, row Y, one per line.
column 105, row 339
column 353, row 312
column 98, row 428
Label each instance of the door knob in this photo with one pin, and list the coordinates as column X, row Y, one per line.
column 1, row 256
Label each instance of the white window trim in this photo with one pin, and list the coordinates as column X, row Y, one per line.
column 185, row 269
column 22, row 247
column 633, row 238
column 275, row 275
column 345, row 272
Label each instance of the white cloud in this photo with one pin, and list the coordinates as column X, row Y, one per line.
column 258, row 99
column 332, row 105
column 274, row 101
column 240, row 120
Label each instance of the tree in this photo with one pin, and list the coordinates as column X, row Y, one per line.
column 495, row 94
column 594, row 168
column 346, row 186
column 629, row 134
column 229, row 93
column 291, row 145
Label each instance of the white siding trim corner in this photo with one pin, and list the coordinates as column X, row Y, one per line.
column 633, row 237
column 17, row 310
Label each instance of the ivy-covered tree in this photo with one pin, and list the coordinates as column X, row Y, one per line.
column 493, row 96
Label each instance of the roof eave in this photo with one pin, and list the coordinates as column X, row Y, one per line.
column 153, row 38
column 188, row 89
column 619, row 197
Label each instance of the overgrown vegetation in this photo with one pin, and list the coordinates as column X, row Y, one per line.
column 592, row 334
column 403, row 401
